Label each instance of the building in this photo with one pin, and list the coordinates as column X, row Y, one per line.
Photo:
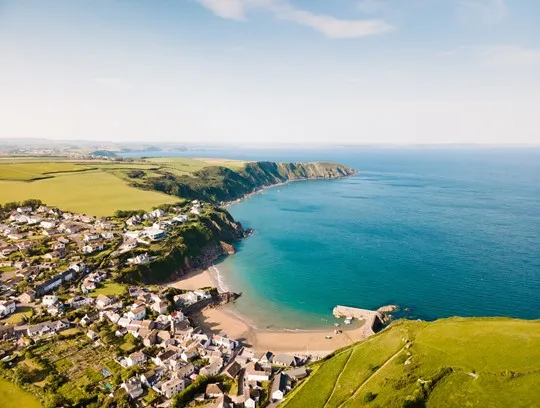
column 27, row 297
column 154, row 234
column 254, row 372
column 133, row 387
column 284, row 360
column 49, row 300
column 102, row 301
column 279, row 387
column 213, row 391
column 7, row 307
column 172, row 387
column 138, row 313
column 135, row 359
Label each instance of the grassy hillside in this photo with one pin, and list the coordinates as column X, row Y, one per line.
column 476, row 362
column 100, row 187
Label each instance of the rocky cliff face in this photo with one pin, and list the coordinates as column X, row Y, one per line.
column 217, row 184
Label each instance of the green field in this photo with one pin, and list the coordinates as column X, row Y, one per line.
column 11, row 396
column 36, row 170
column 94, row 187
column 477, row 362
column 92, row 192
column 110, row 289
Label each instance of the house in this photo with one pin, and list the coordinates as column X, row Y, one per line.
column 159, row 307
column 27, row 297
column 132, row 221
column 185, row 371
column 33, row 220
column 88, row 318
column 102, row 301
column 296, row 374
column 8, row 250
column 92, row 335
column 133, row 387
column 233, row 369
column 88, row 286
column 17, row 235
column 7, row 307
column 124, row 322
column 135, row 359
column 254, row 372
column 93, row 247
column 179, row 219
column 47, row 224
column 284, row 360
column 150, row 378
column 24, row 210
column 212, row 368
column 187, row 298
column 266, row 358
column 61, row 254
column 49, row 300
column 20, row 264
column 223, row 340
column 57, row 246
column 158, row 213
column 55, row 309
column 140, row 259
column 107, row 235
column 279, row 387
column 129, row 244
column 164, row 358
column 91, row 236
column 71, row 227
column 213, row 391
column 47, row 328
column 80, row 301
column 150, row 338
column 172, row 387
column 154, row 234
column 138, row 313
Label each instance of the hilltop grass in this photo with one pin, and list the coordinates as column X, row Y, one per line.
column 91, row 192
column 187, row 166
column 11, row 396
column 477, row 362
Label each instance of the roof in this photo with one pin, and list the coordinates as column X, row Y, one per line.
column 285, row 359
column 280, row 383
column 214, row 389
column 233, row 369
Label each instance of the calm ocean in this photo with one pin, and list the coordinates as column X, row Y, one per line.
column 442, row 232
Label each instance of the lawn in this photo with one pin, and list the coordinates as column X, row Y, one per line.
column 36, row 170
column 461, row 362
column 92, row 192
column 17, row 317
column 11, row 396
column 109, row 289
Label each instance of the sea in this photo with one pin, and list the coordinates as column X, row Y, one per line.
column 438, row 231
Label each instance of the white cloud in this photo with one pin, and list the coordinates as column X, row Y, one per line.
column 489, row 11
column 328, row 25
column 373, row 6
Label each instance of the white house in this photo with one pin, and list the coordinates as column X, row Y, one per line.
column 154, row 234
column 138, row 313
column 133, row 387
column 91, row 236
column 47, row 224
column 279, row 387
column 103, row 301
column 135, row 359
column 172, row 387
column 158, row 213
column 132, row 234
column 49, row 300
column 256, row 373
column 80, row 301
column 159, row 307
column 140, row 259
column 7, row 307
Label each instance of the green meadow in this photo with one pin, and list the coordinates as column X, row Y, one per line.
column 95, row 187
column 11, row 396
column 476, row 362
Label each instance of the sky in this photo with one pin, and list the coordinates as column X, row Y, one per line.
column 271, row 71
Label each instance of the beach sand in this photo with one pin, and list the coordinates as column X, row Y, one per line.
column 302, row 342
column 194, row 280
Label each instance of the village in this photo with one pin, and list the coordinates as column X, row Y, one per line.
column 58, row 300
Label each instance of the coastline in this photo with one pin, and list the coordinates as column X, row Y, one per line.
column 225, row 319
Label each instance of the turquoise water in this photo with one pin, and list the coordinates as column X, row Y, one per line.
column 443, row 232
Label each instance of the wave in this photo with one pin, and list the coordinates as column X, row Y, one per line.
column 222, row 286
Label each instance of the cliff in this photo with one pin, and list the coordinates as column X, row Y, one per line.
column 218, row 184
column 192, row 245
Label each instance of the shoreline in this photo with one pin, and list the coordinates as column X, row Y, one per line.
column 225, row 319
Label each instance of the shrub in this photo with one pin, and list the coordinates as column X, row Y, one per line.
column 369, row 396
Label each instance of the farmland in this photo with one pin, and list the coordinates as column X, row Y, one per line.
column 96, row 193
column 94, row 187
column 11, row 396
column 451, row 362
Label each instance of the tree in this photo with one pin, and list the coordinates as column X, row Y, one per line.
column 21, row 376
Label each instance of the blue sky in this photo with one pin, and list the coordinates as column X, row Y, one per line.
column 271, row 71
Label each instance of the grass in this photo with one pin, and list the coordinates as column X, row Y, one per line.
column 11, row 396
column 17, row 317
column 109, row 289
column 187, row 166
column 36, row 170
column 466, row 362
column 92, row 192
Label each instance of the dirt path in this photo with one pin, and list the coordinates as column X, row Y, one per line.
column 371, row 376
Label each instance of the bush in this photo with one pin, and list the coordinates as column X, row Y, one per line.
column 369, row 396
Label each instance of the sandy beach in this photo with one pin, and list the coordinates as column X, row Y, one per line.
column 303, row 342
column 194, row 280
